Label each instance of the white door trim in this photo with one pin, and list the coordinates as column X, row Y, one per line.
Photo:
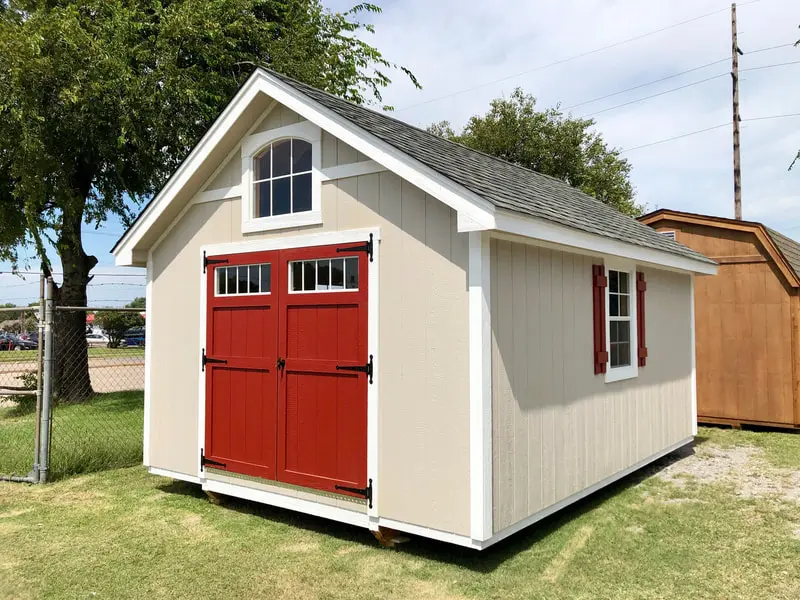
column 373, row 306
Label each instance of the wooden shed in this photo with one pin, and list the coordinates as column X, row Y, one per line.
column 352, row 318
column 747, row 319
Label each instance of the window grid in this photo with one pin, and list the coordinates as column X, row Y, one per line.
column 243, row 280
column 289, row 176
column 620, row 320
column 323, row 275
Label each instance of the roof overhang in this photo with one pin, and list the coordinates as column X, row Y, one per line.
column 474, row 212
column 753, row 227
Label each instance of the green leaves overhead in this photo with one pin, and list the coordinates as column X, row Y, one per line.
column 551, row 143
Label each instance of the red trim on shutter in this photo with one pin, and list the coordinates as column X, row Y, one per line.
column 599, row 283
column 641, row 288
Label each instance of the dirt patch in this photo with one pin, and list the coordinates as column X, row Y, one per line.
column 560, row 563
column 741, row 467
column 194, row 526
column 8, row 528
column 301, row 548
column 15, row 513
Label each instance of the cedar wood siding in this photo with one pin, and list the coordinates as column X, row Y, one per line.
column 556, row 427
column 745, row 330
column 422, row 359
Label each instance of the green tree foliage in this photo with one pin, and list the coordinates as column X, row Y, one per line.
column 551, row 143
column 100, row 100
column 114, row 323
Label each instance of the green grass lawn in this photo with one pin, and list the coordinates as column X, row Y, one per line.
column 127, row 534
column 30, row 355
column 103, row 433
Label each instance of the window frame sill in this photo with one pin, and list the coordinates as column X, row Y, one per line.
column 614, row 374
column 287, row 221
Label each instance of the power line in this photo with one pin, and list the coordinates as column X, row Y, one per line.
column 571, row 58
column 61, row 273
column 691, row 133
column 669, row 91
column 674, row 75
column 95, row 232
column 786, row 64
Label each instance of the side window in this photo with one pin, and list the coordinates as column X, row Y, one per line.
column 619, row 316
column 243, row 280
column 324, row 275
column 618, row 303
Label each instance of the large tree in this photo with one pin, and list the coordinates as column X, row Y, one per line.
column 552, row 143
column 100, row 100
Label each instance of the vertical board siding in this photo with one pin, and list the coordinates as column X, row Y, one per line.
column 557, row 427
column 423, row 356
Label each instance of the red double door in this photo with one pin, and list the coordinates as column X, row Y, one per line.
column 287, row 367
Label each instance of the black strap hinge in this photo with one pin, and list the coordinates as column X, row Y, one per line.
column 366, row 492
column 366, row 247
column 204, row 360
column 212, row 261
column 367, row 368
column 207, row 461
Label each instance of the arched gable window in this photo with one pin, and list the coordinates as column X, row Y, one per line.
column 282, row 178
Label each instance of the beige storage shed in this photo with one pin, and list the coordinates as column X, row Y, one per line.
column 352, row 318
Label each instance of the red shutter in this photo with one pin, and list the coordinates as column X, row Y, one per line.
column 599, row 283
column 641, row 288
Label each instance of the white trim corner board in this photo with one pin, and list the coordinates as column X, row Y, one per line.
column 148, row 359
column 480, row 386
column 693, row 377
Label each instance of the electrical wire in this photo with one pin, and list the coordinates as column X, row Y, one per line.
column 571, row 58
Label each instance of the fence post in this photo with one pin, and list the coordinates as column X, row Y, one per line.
column 47, row 384
column 39, row 373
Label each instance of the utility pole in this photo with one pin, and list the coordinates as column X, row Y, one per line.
column 737, row 157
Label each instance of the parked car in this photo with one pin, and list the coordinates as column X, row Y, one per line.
column 96, row 340
column 134, row 337
column 9, row 341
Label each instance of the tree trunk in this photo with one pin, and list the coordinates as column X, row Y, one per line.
column 71, row 373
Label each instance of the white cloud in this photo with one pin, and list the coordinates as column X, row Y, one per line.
column 452, row 45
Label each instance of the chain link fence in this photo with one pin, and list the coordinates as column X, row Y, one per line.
column 87, row 414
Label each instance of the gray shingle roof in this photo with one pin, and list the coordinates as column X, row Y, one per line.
column 788, row 247
column 505, row 185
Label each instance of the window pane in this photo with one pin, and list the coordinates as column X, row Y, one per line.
column 620, row 331
column 613, row 332
column 231, row 271
column 351, row 273
column 613, row 282
column 262, row 166
column 310, row 275
column 243, row 280
column 613, row 305
column 301, row 201
column 323, row 274
column 623, row 283
column 281, row 157
column 254, row 279
column 281, row 201
column 624, row 306
column 337, row 274
column 266, row 282
column 221, row 280
column 297, row 276
column 301, row 156
column 620, row 355
column 261, row 202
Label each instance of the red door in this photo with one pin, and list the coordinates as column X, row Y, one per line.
column 240, row 363
column 287, row 366
column 322, row 397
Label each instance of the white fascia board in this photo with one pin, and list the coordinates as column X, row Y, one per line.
column 575, row 240
column 443, row 189
column 123, row 254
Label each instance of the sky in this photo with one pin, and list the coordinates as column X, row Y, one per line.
column 467, row 52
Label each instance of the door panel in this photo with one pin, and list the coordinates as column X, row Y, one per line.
column 241, row 392
column 322, row 428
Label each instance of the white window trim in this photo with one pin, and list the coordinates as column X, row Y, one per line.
column 237, row 294
column 631, row 371
column 254, row 144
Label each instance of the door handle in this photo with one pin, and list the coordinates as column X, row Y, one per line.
column 281, row 363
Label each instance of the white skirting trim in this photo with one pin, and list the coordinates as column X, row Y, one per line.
column 310, row 507
column 173, row 474
column 500, row 535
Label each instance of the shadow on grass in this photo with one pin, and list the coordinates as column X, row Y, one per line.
column 484, row 561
